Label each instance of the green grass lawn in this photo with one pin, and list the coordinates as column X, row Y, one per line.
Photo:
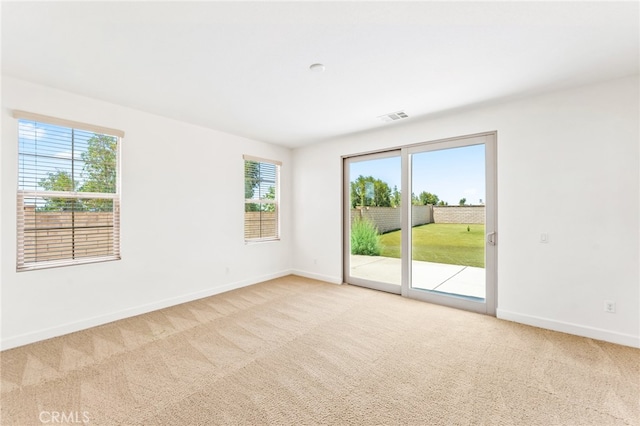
column 441, row 243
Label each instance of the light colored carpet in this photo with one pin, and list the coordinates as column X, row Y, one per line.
column 294, row 351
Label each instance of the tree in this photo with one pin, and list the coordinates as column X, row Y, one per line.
column 59, row 181
column 271, row 195
column 428, row 198
column 424, row 198
column 369, row 191
column 396, row 197
column 99, row 170
column 251, row 182
column 99, row 174
column 381, row 194
column 100, row 164
column 251, row 178
column 463, row 201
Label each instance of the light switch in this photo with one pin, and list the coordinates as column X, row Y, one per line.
column 544, row 237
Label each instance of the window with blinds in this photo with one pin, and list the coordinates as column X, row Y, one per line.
column 261, row 199
column 68, row 193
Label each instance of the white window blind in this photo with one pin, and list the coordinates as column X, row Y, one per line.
column 68, row 204
column 261, row 204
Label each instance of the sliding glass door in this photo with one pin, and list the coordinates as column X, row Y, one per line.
column 373, row 208
column 451, row 244
column 438, row 242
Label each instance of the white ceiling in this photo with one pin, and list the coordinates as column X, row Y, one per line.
column 243, row 67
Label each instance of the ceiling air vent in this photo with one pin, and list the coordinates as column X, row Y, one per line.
column 393, row 116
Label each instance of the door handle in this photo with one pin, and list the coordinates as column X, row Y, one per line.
column 491, row 238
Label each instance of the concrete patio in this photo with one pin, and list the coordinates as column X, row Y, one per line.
column 453, row 279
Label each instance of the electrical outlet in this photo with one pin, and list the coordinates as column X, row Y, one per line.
column 610, row 306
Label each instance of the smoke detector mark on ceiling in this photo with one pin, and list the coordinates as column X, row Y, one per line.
column 393, row 116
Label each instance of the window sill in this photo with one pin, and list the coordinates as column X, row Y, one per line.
column 260, row 240
column 62, row 263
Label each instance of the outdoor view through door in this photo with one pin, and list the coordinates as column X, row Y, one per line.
column 447, row 243
column 437, row 243
column 375, row 216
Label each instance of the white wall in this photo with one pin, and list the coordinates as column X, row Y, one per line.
column 575, row 152
column 174, row 247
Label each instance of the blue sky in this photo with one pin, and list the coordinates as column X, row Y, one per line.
column 451, row 174
column 46, row 148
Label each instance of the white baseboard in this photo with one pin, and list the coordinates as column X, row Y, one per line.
column 319, row 277
column 576, row 329
column 48, row 333
column 24, row 339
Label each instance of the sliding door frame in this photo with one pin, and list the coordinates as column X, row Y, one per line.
column 489, row 139
column 488, row 306
column 347, row 161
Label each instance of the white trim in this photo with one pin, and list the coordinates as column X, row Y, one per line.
column 24, row 115
column 320, row 277
column 417, row 144
column 261, row 160
column 70, row 194
column 48, row 333
column 47, row 264
column 570, row 328
column 260, row 201
column 260, row 240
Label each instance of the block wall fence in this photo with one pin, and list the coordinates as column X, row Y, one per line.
column 389, row 218
column 458, row 214
column 49, row 235
column 260, row 224
column 94, row 234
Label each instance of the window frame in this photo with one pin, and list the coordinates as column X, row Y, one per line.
column 262, row 201
column 23, row 265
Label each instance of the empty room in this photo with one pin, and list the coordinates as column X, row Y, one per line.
column 338, row 213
